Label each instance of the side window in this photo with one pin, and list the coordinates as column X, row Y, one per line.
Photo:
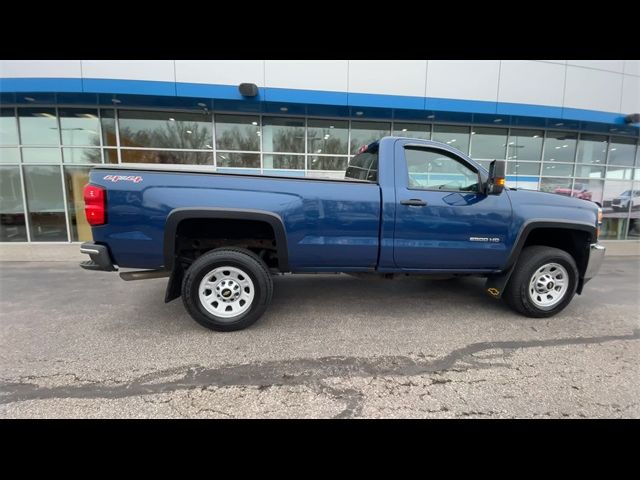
column 438, row 170
column 363, row 166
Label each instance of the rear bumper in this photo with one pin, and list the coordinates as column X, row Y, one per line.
column 596, row 257
column 100, row 258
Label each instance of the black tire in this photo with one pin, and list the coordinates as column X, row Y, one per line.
column 241, row 259
column 531, row 259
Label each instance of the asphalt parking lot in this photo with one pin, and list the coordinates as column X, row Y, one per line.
column 87, row 344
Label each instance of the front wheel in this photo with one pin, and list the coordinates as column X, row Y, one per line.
column 227, row 289
column 543, row 282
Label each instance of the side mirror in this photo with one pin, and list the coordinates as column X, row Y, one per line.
column 496, row 181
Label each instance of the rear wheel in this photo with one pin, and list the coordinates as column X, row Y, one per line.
column 543, row 282
column 227, row 289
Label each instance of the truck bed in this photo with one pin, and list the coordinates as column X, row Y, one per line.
column 331, row 224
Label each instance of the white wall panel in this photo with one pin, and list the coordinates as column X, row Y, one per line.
column 593, row 89
column 609, row 65
column 632, row 67
column 388, row 77
column 224, row 72
column 527, row 81
column 463, row 79
column 158, row 70
column 538, row 82
column 329, row 75
column 630, row 94
column 40, row 68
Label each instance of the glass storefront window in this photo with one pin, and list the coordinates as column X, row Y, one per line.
column 587, row 189
column 364, row 133
column 456, row 137
column 523, row 168
column 556, row 185
column 589, row 171
column 280, row 134
column 166, row 157
column 57, row 146
column 12, row 222
column 75, row 179
column 38, row 126
column 9, row 155
column 79, row 126
column 557, row 170
column 41, row 155
column 622, row 151
column 317, row 162
column 81, row 155
column 560, row 147
column 619, row 173
column 282, row 173
column 525, row 144
column 485, row 163
column 592, row 149
column 613, row 228
column 633, row 232
column 45, row 201
column 110, row 155
column 487, row 142
column 328, row 137
column 165, row 129
column 8, row 127
column 238, row 132
column 412, row 130
column 108, row 121
column 238, row 160
column 616, row 201
column 292, row 162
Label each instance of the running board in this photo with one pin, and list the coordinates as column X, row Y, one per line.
column 144, row 274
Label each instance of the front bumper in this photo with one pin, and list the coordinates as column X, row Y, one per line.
column 100, row 258
column 596, row 256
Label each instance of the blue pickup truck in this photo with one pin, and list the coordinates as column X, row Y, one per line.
column 404, row 207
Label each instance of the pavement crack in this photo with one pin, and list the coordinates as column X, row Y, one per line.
column 288, row 372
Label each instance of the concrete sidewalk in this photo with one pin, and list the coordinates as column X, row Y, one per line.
column 70, row 252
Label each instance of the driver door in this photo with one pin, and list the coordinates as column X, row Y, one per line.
column 442, row 219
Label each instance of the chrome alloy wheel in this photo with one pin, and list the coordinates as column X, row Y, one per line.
column 226, row 292
column 548, row 286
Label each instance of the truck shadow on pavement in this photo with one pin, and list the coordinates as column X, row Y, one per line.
column 307, row 298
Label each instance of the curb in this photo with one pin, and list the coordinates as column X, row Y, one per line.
column 70, row 252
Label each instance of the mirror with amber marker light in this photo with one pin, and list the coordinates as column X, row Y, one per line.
column 496, row 182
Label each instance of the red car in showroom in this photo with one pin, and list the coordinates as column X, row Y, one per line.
column 579, row 191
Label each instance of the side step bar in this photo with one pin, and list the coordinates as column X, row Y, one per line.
column 144, row 274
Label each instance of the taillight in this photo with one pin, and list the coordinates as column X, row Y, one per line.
column 94, row 205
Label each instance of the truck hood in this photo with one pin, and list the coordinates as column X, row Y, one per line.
column 529, row 204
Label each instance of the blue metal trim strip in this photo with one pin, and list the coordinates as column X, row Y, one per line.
column 454, row 105
column 385, row 101
column 40, row 85
column 521, row 178
column 525, row 110
column 230, row 92
column 139, row 87
column 304, row 96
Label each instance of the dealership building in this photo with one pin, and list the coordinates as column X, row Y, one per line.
column 569, row 127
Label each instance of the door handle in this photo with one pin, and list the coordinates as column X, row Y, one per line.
column 414, row 202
